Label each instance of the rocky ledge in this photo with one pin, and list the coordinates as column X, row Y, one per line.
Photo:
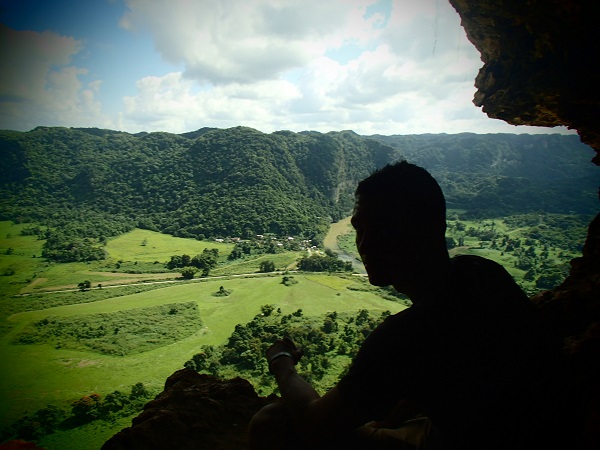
column 194, row 411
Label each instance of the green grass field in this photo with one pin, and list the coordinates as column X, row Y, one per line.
column 37, row 375
column 150, row 246
column 33, row 274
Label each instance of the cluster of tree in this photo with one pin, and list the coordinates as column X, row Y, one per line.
column 556, row 230
column 64, row 248
column 222, row 292
column 85, row 285
column 89, row 183
column 327, row 263
column 84, row 410
column 266, row 265
column 542, row 247
column 74, row 235
column 323, row 339
column 119, row 333
column 205, row 262
column 261, row 246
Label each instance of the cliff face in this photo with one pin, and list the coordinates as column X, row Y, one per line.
column 538, row 57
column 538, row 69
column 193, row 412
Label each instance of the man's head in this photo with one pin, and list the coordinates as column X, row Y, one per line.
column 400, row 219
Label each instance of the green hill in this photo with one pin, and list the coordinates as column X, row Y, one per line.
column 92, row 184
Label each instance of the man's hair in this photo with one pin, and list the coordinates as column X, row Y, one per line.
column 406, row 192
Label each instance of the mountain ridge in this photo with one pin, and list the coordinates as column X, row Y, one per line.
column 240, row 181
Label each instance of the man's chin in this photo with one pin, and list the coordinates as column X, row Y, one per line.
column 379, row 281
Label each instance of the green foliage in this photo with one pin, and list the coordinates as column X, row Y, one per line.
column 266, row 310
column 206, row 261
column 288, row 280
column 86, row 409
column 327, row 348
column 188, row 272
column 42, row 301
column 222, row 292
column 120, row 333
column 316, row 263
column 84, row 285
column 32, row 427
column 266, row 266
column 502, row 174
column 240, row 182
column 235, row 182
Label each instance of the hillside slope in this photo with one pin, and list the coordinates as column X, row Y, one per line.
column 241, row 182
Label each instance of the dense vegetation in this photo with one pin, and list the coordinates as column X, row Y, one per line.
column 87, row 409
column 235, row 182
column 119, row 333
column 85, row 185
column 329, row 344
column 501, row 174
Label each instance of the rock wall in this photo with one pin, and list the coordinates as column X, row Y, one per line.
column 539, row 62
column 193, row 412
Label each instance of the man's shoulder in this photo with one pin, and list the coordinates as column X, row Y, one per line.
column 474, row 267
column 477, row 274
column 473, row 261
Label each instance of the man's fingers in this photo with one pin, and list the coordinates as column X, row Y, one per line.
column 287, row 341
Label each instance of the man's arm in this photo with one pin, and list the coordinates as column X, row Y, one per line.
column 317, row 418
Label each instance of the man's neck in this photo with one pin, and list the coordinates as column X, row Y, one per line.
column 429, row 283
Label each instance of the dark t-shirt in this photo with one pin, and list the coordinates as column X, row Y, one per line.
column 470, row 358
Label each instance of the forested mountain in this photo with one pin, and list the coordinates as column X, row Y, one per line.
column 495, row 174
column 212, row 183
column 239, row 182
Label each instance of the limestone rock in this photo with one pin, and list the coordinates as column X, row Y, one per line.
column 539, row 58
column 194, row 411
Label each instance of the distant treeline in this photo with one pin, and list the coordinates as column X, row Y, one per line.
column 85, row 185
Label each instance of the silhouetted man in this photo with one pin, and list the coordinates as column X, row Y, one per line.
column 462, row 368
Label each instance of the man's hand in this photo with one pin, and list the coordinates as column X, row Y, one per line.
column 284, row 348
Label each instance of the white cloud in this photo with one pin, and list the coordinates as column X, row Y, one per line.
column 174, row 103
column 39, row 87
column 244, row 42
column 264, row 63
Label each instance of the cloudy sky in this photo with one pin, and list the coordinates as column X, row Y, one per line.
column 372, row 66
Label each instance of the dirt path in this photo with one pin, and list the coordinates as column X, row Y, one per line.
column 336, row 229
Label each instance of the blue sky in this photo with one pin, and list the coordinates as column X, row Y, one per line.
column 385, row 66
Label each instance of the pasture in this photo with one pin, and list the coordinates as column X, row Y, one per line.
column 26, row 272
column 39, row 374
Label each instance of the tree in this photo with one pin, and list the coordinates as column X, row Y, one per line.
column 174, row 262
column 86, row 408
column 222, row 292
column 267, row 266
column 138, row 391
column 206, row 261
column 267, row 310
column 186, row 260
column 188, row 272
column 84, row 285
column 114, row 402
